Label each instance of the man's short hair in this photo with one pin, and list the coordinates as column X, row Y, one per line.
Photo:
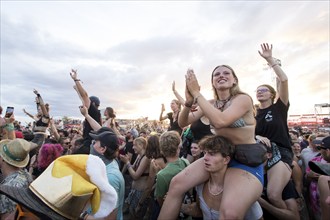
column 169, row 143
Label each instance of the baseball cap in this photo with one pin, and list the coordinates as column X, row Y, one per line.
column 326, row 142
column 107, row 138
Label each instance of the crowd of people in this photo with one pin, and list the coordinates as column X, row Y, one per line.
column 223, row 158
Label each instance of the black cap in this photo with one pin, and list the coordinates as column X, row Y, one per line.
column 107, row 138
column 95, row 99
column 326, row 142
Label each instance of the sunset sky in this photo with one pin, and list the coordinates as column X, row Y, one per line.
column 128, row 53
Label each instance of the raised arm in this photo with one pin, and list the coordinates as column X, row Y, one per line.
column 282, row 79
column 80, row 90
column 177, row 95
column 161, row 117
column 41, row 103
column 28, row 114
column 94, row 124
column 53, row 130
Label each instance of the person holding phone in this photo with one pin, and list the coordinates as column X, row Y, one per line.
column 6, row 124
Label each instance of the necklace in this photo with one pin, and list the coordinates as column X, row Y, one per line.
column 213, row 194
column 220, row 104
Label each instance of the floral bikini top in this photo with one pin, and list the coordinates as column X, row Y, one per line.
column 220, row 104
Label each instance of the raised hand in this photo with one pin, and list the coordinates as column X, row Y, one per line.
column 35, row 91
column 173, row 86
column 163, row 108
column 73, row 74
column 266, row 51
column 192, row 84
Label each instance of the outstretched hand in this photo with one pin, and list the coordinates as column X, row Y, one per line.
column 73, row 74
column 266, row 50
column 191, row 84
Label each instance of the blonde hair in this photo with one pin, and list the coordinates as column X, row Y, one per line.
column 178, row 103
column 141, row 141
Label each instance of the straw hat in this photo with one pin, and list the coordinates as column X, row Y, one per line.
column 66, row 187
column 16, row 152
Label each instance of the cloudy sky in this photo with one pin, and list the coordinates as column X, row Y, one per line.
column 129, row 52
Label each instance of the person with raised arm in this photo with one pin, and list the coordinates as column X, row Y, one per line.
column 272, row 129
column 92, row 103
column 174, row 115
column 231, row 115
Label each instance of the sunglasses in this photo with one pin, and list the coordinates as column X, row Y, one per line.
column 323, row 148
column 262, row 90
column 24, row 214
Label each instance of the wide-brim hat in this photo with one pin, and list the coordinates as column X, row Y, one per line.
column 64, row 190
column 26, row 198
column 320, row 168
column 16, row 152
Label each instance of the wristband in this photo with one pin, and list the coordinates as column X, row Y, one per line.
column 76, row 80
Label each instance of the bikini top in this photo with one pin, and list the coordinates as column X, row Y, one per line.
column 137, row 164
column 221, row 105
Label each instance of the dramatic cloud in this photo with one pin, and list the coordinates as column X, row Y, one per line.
column 129, row 53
